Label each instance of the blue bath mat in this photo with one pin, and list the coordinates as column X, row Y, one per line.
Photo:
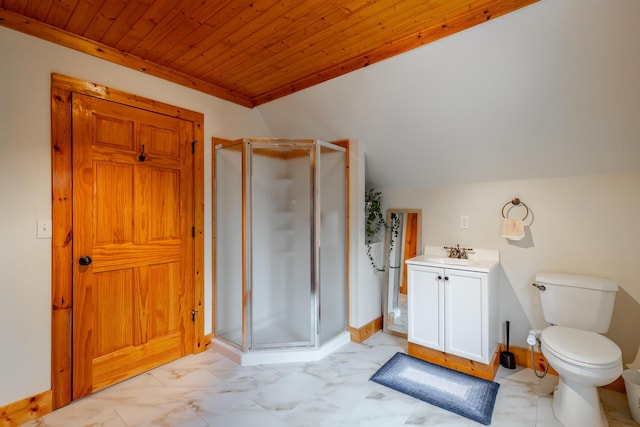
column 471, row 397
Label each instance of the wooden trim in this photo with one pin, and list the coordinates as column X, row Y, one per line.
column 71, row 84
column 64, row 38
column 25, row 410
column 523, row 358
column 199, row 343
column 207, row 340
column 477, row 369
column 522, row 355
column 617, row 385
column 363, row 333
column 61, row 265
column 61, row 328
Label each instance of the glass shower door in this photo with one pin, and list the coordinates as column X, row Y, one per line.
column 228, row 243
column 331, row 170
column 280, row 284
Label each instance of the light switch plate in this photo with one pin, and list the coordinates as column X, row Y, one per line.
column 464, row 221
column 44, row 229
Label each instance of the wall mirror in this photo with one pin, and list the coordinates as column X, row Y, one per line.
column 399, row 246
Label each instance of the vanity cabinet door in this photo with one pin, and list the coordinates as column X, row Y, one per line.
column 425, row 299
column 466, row 317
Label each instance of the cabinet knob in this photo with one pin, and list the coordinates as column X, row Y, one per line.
column 446, row 278
column 439, row 277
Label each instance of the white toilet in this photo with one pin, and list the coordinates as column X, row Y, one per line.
column 579, row 309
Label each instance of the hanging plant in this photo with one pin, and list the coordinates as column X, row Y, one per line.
column 375, row 222
column 373, row 214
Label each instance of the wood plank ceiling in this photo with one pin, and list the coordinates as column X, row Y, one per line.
column 248, row 52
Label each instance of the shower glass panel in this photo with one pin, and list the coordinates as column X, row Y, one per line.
column 280, row 268
column 281, row 285
column 228, row 271
column 332, row 245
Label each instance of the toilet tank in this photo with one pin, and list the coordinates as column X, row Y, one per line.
column 580, row 302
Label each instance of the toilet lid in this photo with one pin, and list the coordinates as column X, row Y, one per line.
column 582, row 348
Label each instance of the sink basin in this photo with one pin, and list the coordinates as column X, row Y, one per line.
column 450, row 261
column 482, row 260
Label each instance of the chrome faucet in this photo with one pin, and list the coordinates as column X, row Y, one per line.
column 458, row 252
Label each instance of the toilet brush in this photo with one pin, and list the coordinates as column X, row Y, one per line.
column 508, row 359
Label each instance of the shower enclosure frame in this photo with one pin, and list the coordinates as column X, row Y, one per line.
column 246, row 146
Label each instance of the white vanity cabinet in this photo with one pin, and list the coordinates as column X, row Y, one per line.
column 453, row 309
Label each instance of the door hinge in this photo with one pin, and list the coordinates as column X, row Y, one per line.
column 193, row 146
column 193, row 232
column 194, row 313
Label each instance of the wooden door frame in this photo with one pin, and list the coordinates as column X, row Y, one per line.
column 62, row 88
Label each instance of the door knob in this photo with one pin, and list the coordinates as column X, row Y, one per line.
column 85, row 260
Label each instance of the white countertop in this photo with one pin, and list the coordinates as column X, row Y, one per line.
column 482, row 260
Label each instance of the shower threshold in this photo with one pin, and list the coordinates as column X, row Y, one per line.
column 280, row 355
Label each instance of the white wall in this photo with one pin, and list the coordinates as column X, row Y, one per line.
column 365, row 285
column 584, row 225
column 25, row 188
column 548, row 90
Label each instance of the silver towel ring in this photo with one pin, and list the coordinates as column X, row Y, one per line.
column 516, row 202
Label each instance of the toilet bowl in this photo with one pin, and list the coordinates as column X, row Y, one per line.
column 584, row 361
column 579, row 308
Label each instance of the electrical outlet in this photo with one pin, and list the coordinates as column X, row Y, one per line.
column 44, row 229
column 464, row 221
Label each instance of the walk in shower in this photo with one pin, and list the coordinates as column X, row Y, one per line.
column 280, row 263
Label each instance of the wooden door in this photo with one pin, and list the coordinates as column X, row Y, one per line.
column 132, row 216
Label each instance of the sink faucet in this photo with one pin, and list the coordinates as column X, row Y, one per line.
column 454, row 252
column 458, row 252
column 463, row 253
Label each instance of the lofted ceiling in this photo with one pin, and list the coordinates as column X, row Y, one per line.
column 247, row 52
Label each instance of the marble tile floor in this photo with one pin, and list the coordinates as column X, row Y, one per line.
column 208, row 389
